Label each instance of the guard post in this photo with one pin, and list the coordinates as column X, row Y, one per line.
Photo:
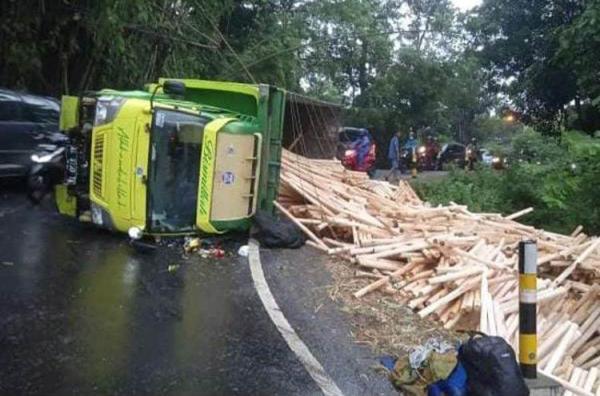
column 527, row 308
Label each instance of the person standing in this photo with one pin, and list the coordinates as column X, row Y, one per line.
column 411, row 143
column 394, row 156
column 471, row 154
column 432, row 149
column 362, row 146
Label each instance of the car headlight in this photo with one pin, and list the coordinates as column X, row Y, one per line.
column 348, row 153
column 41, row 159
column 107, row 108
column 495, row 160
column 422, row 150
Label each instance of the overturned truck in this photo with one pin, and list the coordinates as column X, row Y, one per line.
column 184, row 156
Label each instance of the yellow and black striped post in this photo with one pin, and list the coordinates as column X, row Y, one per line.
column 527, row 308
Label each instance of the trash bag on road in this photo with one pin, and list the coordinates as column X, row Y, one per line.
column 272, row 232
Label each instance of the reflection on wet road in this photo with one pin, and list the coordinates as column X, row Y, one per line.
column 81, row 312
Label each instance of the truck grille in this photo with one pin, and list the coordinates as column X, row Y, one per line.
column 98, row 164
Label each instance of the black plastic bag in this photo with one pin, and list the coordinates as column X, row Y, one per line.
column 492, row 369
column 272, row 232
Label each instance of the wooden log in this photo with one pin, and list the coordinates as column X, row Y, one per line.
column 466, row 273
column 561, row 349
column 549, row 342
column 591, row 379
column 379, row 264
column 519, row 213
column 591, row 363
column 485, row 304
column 586, row 355
column 565, row 274
column 577, row 372
column 377, row 284
column 593, row 328
column 565, row 384
column 442, row 301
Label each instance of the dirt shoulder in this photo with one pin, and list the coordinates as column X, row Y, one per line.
column 347, row 335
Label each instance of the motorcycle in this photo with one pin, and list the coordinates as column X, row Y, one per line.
column 350, row 161
column 47, row 170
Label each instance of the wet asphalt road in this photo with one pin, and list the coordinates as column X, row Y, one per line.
column 81, row 312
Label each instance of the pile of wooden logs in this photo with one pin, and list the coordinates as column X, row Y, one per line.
column 452, row 265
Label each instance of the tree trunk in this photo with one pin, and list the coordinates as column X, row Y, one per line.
column 362, row 67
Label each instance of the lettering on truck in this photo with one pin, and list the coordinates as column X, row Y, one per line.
column 205, row 169
column 123, row 168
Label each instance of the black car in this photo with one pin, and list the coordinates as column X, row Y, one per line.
column 27, row 122
column 451, row 154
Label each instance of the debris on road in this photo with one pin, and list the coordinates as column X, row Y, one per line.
column 450, row 264
column 243, row 251
column 206, row 248
column 191, row 244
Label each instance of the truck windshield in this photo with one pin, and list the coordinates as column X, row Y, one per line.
column 176, row 140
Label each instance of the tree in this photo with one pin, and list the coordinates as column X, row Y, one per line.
column 524, row 44
column 349, row 43
column 579, row 48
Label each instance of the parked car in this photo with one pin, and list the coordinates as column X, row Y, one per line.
column 486, row 156
column 497, row 162
column 27, row 123
column 346, row 149
column 451, row 154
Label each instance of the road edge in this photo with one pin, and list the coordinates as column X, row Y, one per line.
column 310, row 363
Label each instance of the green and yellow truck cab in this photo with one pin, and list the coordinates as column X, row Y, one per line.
column 183, row 156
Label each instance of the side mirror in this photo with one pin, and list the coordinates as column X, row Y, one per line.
column 172, row 87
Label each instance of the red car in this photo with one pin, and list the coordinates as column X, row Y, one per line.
column 350, row 142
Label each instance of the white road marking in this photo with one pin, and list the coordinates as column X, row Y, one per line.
column 312, row 365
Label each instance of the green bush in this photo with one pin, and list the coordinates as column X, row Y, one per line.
column 559, row 179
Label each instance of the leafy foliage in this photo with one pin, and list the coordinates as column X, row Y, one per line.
column 559, row 179
column 542, row 53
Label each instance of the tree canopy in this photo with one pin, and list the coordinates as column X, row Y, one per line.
column 396, row 64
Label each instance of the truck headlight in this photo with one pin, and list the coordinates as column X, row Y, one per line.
column 135, row 233
column 96, row 214
column 107, row 108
